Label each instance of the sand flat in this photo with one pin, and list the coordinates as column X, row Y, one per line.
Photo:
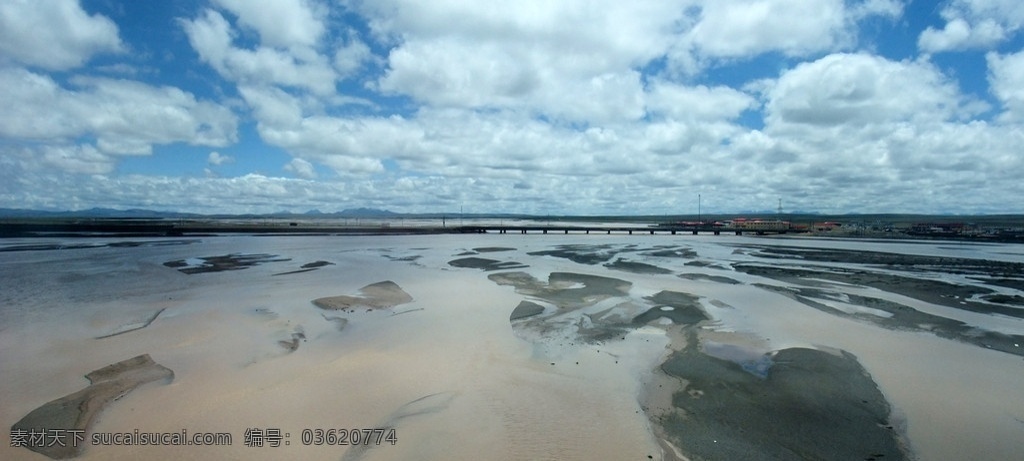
column 467, row 378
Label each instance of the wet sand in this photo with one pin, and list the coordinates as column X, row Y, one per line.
column 76, row 412
column 567, row 357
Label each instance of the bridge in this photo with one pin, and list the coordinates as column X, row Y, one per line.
column 159, row 228
column 566, row 229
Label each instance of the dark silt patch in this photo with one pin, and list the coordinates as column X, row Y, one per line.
column 564, row 289
column 134, row 326
column 410, row 258
column 493, row 249
column 51, row 246
column 710, row 278
column 995, row 273
column 903, row 318
column 897, row 261
column 339, row 322
column 228, row 262
column 680, row 308
column 291, row 345
column 597, row 254
column 707, row 264
column 1014, row 300
column 307, row 267
column 1016, row 284
column 80, row 246
column 486, row 264
column 809, row 405
column 636, row 267
column 681, row 252
column 526, row 309
column 930, row 291
column 77, row 411
column 583, row 254
column 572, row 294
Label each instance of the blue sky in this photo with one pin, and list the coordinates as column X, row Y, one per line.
column 564, row 107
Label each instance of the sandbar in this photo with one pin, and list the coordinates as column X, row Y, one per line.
column 378, row 295
column 77, row 411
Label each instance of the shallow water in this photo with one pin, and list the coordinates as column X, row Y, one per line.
column 503, row 389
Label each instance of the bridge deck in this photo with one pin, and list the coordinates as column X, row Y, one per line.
column 557, row 229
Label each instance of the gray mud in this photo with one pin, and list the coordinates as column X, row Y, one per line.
column 636, row 267
column 485, row 264
column 230, row 262
column 564, row 289
column 931, row 291
column 710, row 278
column 526, row 309
column 810, row 405
column 903, row 317
column 380, row 295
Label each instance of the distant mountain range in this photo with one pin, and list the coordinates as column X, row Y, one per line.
column 375, row 213
column 138, row 213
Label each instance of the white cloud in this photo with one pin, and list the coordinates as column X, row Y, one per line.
column 534, row 106
column 216, row 158
column 54, row 34
column 698, row 102
column 973, row 24
column 272, row 106
column 211, row 36
column 1006, row 79
column 301, row 168
column 861, row 89
column 76, row 159
column 126, row 112
column 722, row 30
column 124, row 118
column 956, row 33
column 578, row 61
column 349, row 58
column 744, row 28
column 885, row 8
column 568, row 61
column 280, row 23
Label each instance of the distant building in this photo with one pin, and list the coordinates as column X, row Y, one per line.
column 761, row 225
column 827, row 226
column 937, row 229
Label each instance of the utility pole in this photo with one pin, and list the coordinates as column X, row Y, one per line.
column 699, row 221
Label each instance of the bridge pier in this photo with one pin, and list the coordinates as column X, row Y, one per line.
column 567, row 231
column 545, row 231
column 631, row 232
column 695, row 232
column 739, row 232
column 609, row 232
column 673, row 232
column 718, row 232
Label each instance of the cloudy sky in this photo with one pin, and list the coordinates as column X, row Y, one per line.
column 532, row 106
